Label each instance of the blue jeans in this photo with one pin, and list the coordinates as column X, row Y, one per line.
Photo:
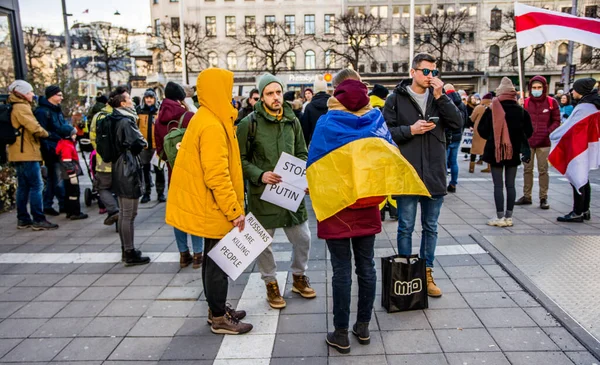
column 341, row 261
column 181, row 239
column 452, row 156
column 29, row 189
column 407, row 214
column 54, row 186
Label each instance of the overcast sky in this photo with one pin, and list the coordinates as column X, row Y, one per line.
column 47, row 14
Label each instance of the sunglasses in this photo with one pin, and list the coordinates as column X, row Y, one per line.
column 426, row 71
column 256, row 99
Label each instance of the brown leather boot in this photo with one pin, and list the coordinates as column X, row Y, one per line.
column 185, row 259
column 197, row 260
column 471, row 167
column 487, row 169
column 227, row 325
column 274, row 296
column 302, row 287
column 432, row 289
column 239, row 315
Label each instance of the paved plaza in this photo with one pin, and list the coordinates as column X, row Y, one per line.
column 65, row 298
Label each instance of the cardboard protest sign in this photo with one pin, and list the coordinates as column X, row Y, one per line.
column 237, row 250
column 290, row 192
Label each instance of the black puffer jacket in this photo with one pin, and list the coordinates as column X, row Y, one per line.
column 312, row 113
column 456, row 134
column 519, row 128
column 426, row 152
column 127, row 174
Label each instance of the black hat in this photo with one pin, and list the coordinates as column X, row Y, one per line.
column 51, row 91
column 289, row 96
column 101, row 99
column 66, row 131
column 380, row 91
column 174, row 91
column 584, row 86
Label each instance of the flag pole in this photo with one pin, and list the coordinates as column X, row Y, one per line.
column 184, row 75
column 520, row 71
column 411, row 47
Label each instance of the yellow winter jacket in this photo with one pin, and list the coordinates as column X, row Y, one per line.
column 207, row 189
column 101, row 166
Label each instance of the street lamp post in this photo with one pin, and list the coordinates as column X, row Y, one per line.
column 67, row 39
column 184, row 75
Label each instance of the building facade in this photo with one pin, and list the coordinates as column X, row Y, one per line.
column 12, row 54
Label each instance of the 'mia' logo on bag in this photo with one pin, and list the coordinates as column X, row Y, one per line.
column 408, row 287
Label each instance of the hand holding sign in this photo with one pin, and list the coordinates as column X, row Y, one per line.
column 271, row 178
column 239, row 222
column 287, row 183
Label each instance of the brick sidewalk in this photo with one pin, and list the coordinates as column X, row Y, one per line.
column 87, row 310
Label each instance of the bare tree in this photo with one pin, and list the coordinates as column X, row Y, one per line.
column 272, row 43
column 111, row 45
column 444, row 34
column 196, row 42
column 354, row 37
column 35, row 42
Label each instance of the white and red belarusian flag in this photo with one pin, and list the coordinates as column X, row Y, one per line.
column 575, row 146
column 537, row 26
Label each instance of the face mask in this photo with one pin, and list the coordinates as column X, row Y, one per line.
column 477, row 102
column 536, row 93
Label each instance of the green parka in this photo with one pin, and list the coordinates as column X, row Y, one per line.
column 271, row 139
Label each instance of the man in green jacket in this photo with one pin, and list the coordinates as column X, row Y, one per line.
column 277, row 130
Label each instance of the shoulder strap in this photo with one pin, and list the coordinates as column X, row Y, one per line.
column 251, row 136
column 551, row 102
column 181, row 120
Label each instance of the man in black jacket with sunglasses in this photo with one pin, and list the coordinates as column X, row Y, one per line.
column 248, row 105
column 417, row 113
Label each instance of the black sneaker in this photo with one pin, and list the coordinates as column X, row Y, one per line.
column 339, row 340
column 162, row 198
column 587, row 215
column 24, row 224
column 134, row 257
column 451, row 189
column 111, row 219
column 571, row 218
column 523, row 201
column 145, row 199
column 544, row 204
column 361, row 331
column 51, row 211
column 44, row 226
column 78, row 216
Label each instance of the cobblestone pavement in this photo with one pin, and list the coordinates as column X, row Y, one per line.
column 65, row 298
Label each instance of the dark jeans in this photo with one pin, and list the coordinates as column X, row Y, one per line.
column 72, row 206
column 127, row 214
column 29, row 189
column 54, row 186
column 452, row 162
column 160, row 179
column 341, row 261
column 582, row 198
column 510, row 174
column 214, row 280
column 407, row 215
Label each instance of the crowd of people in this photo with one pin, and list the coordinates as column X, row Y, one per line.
column 229, row 150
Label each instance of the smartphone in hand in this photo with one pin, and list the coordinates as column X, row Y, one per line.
column 433, row 120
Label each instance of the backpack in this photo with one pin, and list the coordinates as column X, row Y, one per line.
column 172, row 141
column 105, row 136
column 8, row 133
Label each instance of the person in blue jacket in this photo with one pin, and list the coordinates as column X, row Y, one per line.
column 566, row 108
column 49, row 115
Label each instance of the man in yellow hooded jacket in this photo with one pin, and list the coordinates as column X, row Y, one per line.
column 206, row 195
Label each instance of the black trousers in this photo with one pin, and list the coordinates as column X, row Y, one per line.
column 72, row 193
column 214, row 280
column 581, row 199
column 160, row 179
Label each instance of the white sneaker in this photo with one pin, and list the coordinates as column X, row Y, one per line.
column 498, row 222
column 509, row 222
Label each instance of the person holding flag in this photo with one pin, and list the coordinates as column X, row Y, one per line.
column 353, row 158
column 575, row 148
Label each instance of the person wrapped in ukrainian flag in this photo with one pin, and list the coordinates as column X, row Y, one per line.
column 353, row 165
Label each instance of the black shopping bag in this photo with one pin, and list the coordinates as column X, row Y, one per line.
column 404, row 283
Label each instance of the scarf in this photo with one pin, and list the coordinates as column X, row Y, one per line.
column 503, row 146
column 128, row 112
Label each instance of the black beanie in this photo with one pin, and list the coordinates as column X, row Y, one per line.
column 102, row 99
column 380, row 91
column 289, row 96
column 174, row 91
column 584, row 86
column 51, row 91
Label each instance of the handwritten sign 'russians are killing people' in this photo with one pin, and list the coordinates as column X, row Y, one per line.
column 237, row 250
column 289, row 193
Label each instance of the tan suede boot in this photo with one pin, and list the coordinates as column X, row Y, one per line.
column 432, row 289
column 487, row 169
column 274, row 297
column 302, row 286
column 227, row 325
column 471, row 167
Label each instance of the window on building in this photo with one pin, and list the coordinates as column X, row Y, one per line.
column 329, row 24
column 462, row 37
column 379, row 11
column 250, row 25
column 270, row 24
column 290, row 60
column 470, row 65
column 496, row 19
column 251, row 61
column 395, row 39
column 566, row 9
column 175, row 23
column 290, row 24
column 213, row 59
column 309, row 24
column 591, row 11
column 373, row 66
column 360, row 11
column 157, row 27
column 514, row 57
column 174, row 1
column 406, row 11
column 374, row 40
column 231, row 61
column 154, row 1
column 447, row 66
column 404, row 66
column 471, row 37
column 383, row 40
column 351, row 10
column 395, row 67
column 461, row 66
column 404, row 39
column 211, row 26
column 361, row 69
column 563, row 52
column 494, row 58
column 473, row 10
column 310, row 60
column 539, row 58
column 329, row 59
column 427, row 10
column 426, row 38
column 396, row 11
column 383, row 67
column 417, row 38
column 418, row 10
column 230, row 30
column 587, row 53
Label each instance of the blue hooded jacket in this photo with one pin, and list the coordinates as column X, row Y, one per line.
column 51, row 119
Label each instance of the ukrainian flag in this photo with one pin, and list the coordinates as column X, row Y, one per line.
column 353, row 157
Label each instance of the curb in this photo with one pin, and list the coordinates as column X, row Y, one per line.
column 580, row 333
